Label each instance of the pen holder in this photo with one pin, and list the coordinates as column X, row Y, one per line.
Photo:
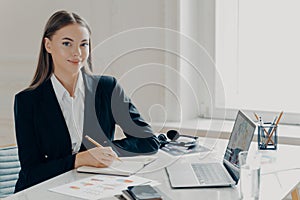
column 267, row 136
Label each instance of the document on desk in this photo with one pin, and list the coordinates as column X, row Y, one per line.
column 100, row 186
column 126, row 167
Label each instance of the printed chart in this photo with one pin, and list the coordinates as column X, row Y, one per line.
column 99, row 186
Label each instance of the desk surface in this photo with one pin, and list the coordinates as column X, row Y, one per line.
column 273, row 185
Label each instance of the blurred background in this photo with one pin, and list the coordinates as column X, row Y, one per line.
column 178, row 60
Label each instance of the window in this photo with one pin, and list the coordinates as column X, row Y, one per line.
column 257, row 56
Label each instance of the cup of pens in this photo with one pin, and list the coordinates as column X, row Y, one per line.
column 267, row 138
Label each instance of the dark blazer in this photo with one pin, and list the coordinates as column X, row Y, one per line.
column 43, row 138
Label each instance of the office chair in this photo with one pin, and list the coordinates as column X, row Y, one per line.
column 9, row 169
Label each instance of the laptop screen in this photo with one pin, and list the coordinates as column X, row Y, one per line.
column 240, row 140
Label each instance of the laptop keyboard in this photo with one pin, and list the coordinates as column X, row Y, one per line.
column 209, row 173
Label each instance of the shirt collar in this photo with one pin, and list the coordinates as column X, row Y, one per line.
column 79, row 84
column 61, row 91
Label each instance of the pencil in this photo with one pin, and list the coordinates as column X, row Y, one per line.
column 280, row 115
column 98, row 145
column 256, row 116
column 278, row 119
column 93, row 141
column 267, row 133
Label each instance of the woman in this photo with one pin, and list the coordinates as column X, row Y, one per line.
column 64, row 101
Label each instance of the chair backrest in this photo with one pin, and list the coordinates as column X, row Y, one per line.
column 9, row 169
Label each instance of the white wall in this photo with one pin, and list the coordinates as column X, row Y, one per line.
column 197, row 27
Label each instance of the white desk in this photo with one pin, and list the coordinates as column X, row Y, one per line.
column 270, row 187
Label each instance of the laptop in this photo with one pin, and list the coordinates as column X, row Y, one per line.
column 215, row 174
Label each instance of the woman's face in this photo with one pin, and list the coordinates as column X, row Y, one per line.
column 69, row 48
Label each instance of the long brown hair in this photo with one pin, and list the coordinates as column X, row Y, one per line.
column 57, row 21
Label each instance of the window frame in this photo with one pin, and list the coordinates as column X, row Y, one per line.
column 288, row 118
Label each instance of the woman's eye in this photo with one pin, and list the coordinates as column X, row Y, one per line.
column 85, row 44
column 66, row 44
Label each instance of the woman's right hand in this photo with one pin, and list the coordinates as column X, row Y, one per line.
column 96, row 157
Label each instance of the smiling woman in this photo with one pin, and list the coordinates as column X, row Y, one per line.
column 64, row 101
column 58, row 44
column 69, row 48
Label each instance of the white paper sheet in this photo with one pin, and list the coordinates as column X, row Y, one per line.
column 100, row 186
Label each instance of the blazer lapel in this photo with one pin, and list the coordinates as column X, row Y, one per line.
column 54, row 117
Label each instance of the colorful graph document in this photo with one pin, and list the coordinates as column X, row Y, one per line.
column 100, row 186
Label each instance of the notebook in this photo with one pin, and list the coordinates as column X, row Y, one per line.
column 186, row 175
column 127, row 167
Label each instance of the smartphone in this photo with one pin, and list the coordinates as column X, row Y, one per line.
column 144, row 192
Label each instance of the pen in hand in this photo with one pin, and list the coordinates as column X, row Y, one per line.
column 98, row 145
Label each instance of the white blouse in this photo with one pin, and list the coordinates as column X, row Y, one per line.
column 72, row 109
